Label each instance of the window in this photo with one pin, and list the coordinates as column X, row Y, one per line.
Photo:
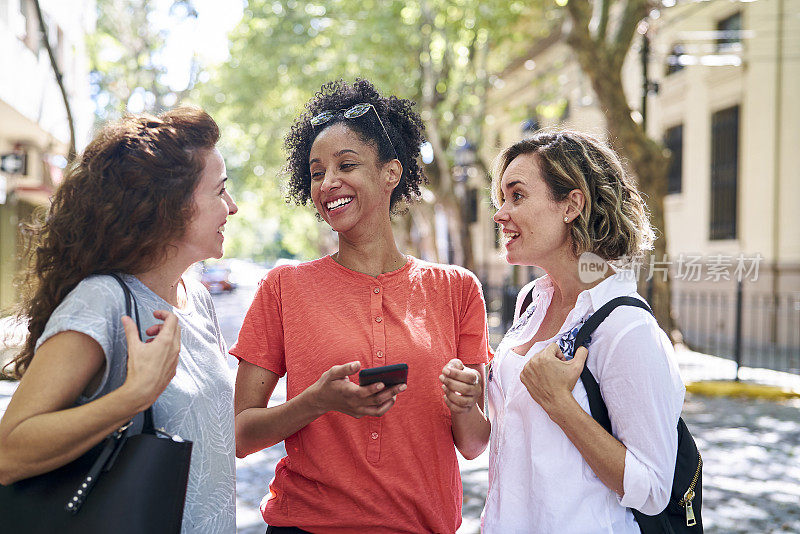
column 673, row 140
column 724, row 172
column 675, row 60
column 729, row 34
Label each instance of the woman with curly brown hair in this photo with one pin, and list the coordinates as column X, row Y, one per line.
column 145, row 201
column 362, row 458
column 566, row 205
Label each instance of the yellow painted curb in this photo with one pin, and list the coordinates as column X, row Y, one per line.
column 730, row 388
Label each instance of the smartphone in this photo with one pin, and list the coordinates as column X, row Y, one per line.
column 390, row 375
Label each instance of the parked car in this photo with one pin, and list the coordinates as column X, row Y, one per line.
column 216, row 278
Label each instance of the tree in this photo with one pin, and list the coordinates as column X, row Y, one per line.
column 59, row 79
column 125, row 54
column 601, row 35
column 130, row 72
column 439, row 53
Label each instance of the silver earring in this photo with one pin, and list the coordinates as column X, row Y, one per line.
column 566, row 219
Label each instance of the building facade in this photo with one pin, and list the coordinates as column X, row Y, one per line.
column 723, row 78
column 34, row 136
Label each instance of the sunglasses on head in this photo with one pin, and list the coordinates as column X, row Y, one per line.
column 358, row 110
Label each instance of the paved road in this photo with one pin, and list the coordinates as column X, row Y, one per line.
column 751, row 452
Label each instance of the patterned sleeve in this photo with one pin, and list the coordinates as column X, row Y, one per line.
column 211, row 313
column 473, row 338
column 94, row 307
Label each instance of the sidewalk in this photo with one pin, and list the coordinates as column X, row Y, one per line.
column 710, row 375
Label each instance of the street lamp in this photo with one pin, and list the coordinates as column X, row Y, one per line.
column 464, row 167
column 464, row 160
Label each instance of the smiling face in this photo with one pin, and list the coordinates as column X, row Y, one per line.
column 204, row 238
column 533, row 223
column 350, row 188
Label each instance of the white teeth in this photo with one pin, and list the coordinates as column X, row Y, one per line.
column 512, row 235
column 338, row 202
column 221, row 229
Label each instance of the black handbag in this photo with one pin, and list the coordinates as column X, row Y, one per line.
column 125, row 484
column 682, row 514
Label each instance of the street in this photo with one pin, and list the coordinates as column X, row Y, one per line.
column 750, row 448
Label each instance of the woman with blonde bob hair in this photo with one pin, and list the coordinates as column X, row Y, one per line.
column 564, row 202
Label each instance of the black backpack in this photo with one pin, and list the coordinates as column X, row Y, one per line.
column 682, row 514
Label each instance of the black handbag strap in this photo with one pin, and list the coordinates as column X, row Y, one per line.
column 132, row 311
column 596, row 404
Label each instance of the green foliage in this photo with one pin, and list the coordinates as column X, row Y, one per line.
column 441, row 53
column 125, row 57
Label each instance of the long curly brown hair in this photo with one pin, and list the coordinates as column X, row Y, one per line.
column 120, row 204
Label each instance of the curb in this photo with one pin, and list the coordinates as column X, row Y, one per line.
column 730, row 388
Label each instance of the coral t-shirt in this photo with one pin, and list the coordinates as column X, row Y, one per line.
column 396, row 473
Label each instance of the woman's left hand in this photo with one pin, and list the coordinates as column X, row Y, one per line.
column 550, row 378
column 461, row 386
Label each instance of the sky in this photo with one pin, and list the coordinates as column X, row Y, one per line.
column 206, row 35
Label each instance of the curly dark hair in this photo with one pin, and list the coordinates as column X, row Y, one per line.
column 403, row 125
column 120, row 203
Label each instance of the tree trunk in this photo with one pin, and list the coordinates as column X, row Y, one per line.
column 59, row 79
column 422, row 216
column 466, row 237
column 647, row 158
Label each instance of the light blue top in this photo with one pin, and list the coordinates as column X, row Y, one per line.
column 196, row 405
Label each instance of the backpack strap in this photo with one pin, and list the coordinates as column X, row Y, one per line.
column 596, row 404
column 527, row 301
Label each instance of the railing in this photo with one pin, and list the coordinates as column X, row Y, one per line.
column 752, row 329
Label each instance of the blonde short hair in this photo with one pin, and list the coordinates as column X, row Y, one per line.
column 614, row 222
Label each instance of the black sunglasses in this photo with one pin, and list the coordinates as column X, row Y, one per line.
column 359, row 110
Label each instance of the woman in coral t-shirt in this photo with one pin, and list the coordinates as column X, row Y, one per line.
column 371, row 458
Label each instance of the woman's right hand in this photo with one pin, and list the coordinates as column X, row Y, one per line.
column 152, row 364
column 335, row 392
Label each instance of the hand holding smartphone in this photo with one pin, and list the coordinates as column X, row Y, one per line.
column 390, row 375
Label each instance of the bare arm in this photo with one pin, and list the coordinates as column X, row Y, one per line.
column 463, row 394
column 39, row 432
column 259, row 426
column 550, row 380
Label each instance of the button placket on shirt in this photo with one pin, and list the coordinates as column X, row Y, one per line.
column 378, row 359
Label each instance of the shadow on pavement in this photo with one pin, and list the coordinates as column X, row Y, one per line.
column 751, row 473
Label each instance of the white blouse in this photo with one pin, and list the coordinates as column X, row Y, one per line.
column 538, row 481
